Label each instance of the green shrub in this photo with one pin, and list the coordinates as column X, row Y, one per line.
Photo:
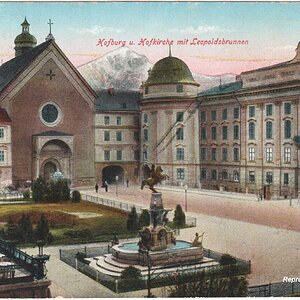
column 26, row 194
column 227, row 259
column 40, row 190
column 179, row 216
column 76, row 196
column 144, row 218
column 132, row 221
column 131, row 273
column 58, row 191
column 79, row 233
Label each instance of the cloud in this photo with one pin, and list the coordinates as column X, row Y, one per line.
column 97, row 29
column 202, row 28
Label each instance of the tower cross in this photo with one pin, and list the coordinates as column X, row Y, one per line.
column 50, row 23
column 50, row 74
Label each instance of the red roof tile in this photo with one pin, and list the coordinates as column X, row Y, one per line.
column 4, row 117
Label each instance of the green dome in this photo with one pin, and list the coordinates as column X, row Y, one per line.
column 25, row 38
column 170, row 70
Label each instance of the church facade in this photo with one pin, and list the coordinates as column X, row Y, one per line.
column 51, row 108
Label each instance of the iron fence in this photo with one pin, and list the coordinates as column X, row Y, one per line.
column 277, row 289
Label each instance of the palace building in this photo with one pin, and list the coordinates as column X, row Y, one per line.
column 249, row 132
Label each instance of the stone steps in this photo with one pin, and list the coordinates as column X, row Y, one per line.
column 107, row 265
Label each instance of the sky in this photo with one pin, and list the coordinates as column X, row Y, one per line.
column 269, row 31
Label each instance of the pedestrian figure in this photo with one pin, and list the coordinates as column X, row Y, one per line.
column 106, row 186
column 127, row 182
column 96, row 188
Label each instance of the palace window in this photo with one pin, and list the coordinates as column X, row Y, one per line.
column 213, row 115
column 106, row 136
column 286, row 178
column 225, row 174
column 251, row 153
column 251, row 131
column 179, row 116
column 2, row 155
column 251, row 111
column 214, row 154
column 1, row 132
column 251, row 176
column 203, row 116
column 269, row 109
column 269, row 130
column 287, row 129
column 136, row 136
column 236, row 112
column 145, row 118
column 224, row 114
column 269, row 154
column 106, row 120
column 119, row 154
column 180, row 173
column 145, row 155
column 180, row 153
column 236, row 132
column 106, row 154
column 119, row 120
column 137, row 154
column 119, row 136
column 224, row 154
column 214, row 174
column 287, row 154
column 214, row 133
column 236, row 176
column 179, row 134
column 145, row 135
column 203, row 154
column 203, row 174
column 224, row 132
column 287, row 108
column 236, row 154
column 269, row 177
column 203, row 133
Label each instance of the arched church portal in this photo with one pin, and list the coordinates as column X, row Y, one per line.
column 55, row 156
column 109, row 174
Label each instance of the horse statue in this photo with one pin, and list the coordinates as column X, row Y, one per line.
column 156, row 176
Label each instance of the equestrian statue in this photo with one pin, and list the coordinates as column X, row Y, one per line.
column 156, row 176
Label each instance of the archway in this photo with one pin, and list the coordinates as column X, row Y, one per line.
column 55, row 155
column 49, row 169
column 109, row 174
column 146, row 172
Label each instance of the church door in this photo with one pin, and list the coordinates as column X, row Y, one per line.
column 49, row 169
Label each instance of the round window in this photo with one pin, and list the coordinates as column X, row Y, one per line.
column 50, row 114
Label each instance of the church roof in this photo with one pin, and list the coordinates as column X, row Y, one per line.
column 4, row 117
column 222, row 89
column 170, row 70
column 52, row 133
column 13, row 67
column 117, row 100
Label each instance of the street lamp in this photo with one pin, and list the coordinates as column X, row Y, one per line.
column 117, row 178
column 185, row 196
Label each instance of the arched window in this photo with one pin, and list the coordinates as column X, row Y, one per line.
column 269, row 130
column 251, row 131
column 287, row 129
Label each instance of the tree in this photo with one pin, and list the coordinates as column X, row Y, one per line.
column 76, row 196
column 132, row 221
column 179, row 216
column 40, row 190
column 42, row 229
column 131, row 277
column 58, row 191
column 144, row 218
column 25, row 228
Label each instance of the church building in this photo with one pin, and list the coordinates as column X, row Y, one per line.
column 47, row 112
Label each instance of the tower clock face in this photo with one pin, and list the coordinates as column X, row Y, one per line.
column 49, row 113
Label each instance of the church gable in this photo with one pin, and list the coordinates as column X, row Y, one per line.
column 50, row 60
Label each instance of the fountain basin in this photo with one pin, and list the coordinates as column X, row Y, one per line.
column 180, row 253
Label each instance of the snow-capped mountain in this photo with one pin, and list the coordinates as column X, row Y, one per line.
column 125, row 69
column 122, row 69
